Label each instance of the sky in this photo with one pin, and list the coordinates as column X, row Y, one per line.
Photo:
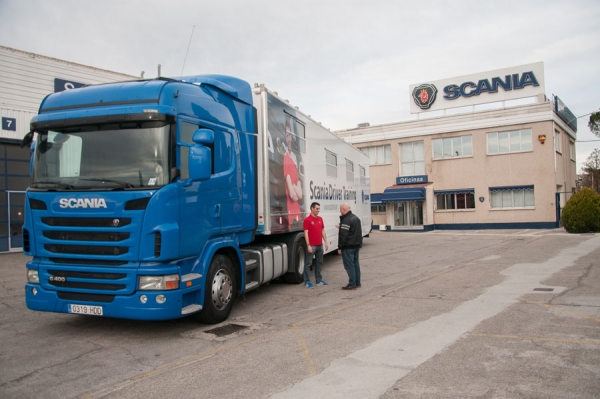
column 343, row 62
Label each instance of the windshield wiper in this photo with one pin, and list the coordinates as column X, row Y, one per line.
column 54, row 183
column 119, row 182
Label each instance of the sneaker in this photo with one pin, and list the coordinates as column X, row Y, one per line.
column 322, row 282
column 358, row 285
column 349, row 287
column 308, row 284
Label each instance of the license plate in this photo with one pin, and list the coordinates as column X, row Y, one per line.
column 86, row 309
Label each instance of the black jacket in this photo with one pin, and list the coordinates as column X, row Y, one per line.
column 350, row 231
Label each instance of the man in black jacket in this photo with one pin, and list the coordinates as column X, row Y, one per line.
column 349, row 243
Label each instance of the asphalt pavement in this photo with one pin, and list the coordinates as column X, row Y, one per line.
column 442, row 314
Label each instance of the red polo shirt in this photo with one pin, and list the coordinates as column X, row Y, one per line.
column 315, row 227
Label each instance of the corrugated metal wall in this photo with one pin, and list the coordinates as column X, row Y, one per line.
column 22, row 119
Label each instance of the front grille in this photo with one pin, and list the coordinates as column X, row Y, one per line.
column 94, row 275
column 77, row 241
column 100, row 281
column 85, row 250
column 89, row 259
column 97, row 262
column 87, row 222
column 88, row 286
column 85, row 236
column 74, row 296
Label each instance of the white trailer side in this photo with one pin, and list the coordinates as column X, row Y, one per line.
column 329, row 170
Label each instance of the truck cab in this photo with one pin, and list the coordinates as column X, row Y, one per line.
column 137, row 189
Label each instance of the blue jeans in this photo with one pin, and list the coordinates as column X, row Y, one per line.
column 317, row 251
column 352, row 266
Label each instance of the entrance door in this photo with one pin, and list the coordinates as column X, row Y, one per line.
column 408, row 214
column 16, row 216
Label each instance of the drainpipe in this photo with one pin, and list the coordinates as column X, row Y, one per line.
column 554, row 147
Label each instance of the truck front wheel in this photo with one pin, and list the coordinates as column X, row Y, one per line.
column 220, row 291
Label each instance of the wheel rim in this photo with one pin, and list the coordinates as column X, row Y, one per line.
column 222, row 289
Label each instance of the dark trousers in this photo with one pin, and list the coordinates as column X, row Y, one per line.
column 352, row 266
column 318, row 253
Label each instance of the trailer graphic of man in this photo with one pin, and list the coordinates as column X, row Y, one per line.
column 293, row 186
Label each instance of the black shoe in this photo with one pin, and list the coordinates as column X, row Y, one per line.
column 349, row 287
column 358, row 285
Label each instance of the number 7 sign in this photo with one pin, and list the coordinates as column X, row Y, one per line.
column 9, row 124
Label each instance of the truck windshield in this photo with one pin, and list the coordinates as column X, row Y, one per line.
column 102, row 157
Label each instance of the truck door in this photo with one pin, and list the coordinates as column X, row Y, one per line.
column 211, row 207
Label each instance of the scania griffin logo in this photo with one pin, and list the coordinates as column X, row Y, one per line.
column 82, row 203
column 424, row 95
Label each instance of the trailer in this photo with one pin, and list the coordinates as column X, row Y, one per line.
column 158, row 199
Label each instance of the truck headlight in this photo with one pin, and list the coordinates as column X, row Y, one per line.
column 158, row 283
column 32, row 276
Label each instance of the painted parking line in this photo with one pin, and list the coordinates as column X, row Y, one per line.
column 560, row 309
column 537, row 339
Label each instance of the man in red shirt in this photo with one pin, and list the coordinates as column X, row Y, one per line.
column 315, row 236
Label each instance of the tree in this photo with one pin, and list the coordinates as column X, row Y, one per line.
column 591, row 169
column 594, row 123
column 581, row 214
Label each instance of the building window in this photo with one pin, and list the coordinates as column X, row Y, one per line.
column 452, row 147
column 557, row 141
column 572, row 150
column 513, row 141
column 455, row 199
column 363, row 175
column 378, row 208
column 413, row 159
column 349, row 171
column 512, row 197
column 378, row 155
column 331, row 164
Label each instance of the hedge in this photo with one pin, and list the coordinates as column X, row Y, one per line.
column 581, row 214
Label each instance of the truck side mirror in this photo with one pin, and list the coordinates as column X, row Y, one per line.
column 204, row 137
column 199, row 162
column 200, row 159
column 27, row 139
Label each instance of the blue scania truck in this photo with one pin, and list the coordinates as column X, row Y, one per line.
column 157, row 199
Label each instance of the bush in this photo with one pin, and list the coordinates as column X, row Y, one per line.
column 581, row 214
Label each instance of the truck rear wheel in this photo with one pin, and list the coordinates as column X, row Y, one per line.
column 220, row 291
column 296, row 259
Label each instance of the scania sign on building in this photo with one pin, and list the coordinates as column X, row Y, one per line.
column 424, row 95
column 486, row 87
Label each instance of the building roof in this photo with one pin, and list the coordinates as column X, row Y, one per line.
column 495, row 118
